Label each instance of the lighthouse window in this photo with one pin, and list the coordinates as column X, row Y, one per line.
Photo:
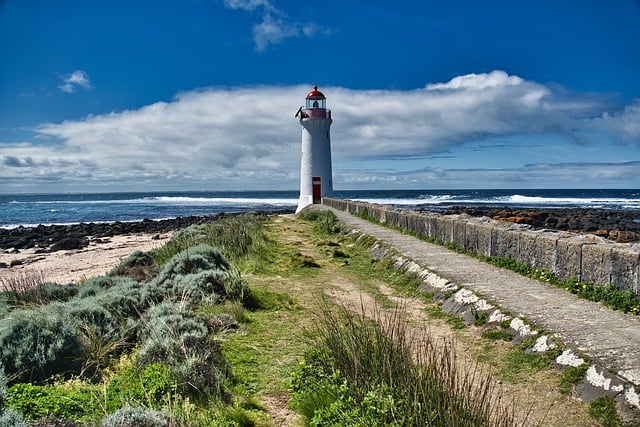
column 316, row 103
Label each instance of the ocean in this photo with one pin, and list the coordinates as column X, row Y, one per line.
column 34, row 209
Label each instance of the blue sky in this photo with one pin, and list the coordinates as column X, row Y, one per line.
column 200, row 94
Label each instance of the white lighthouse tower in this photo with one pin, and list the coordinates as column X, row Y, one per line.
column 316, row 179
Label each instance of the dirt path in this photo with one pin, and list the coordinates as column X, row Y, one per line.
column 536, row 397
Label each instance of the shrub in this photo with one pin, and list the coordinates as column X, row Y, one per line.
column 11, row 418
column 139, row 265
column 198, row 274
column 38, row 343
column 124, row 298
column 235, row 236
column 136, row 417
column 181, row 340
column 95, row 285
column 37, row 293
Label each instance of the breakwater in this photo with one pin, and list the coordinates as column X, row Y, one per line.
column 586, row 257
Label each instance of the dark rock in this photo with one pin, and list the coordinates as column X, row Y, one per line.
column 69, row 244
column 15, row 262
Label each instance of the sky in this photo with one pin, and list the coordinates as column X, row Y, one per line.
column 102, row 96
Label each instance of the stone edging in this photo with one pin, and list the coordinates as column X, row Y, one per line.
column 456, row 300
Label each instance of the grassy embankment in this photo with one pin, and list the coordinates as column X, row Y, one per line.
column 237, row 358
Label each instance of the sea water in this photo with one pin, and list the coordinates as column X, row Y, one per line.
column 35, row 209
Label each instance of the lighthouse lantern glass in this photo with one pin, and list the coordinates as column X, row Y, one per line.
column 316, row 103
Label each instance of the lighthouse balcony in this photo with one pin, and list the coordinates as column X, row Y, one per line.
column 319, row 113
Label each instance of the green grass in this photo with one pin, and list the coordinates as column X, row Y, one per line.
column 377, row 373
column 571, row 376
column 604, row 410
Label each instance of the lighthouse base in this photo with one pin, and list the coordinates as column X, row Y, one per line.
column 304, row 202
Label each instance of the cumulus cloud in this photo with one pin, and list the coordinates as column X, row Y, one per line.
column 246, row 138
column 623, row 125
column 74, row 80
column 275, row 26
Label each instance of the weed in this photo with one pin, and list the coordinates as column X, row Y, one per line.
column 571, row 376
column 518, row 363
column 603, row 409
column 497, row 334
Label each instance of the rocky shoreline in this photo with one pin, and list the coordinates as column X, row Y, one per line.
column 52, row 238
column 621, row 226
column 616, row 225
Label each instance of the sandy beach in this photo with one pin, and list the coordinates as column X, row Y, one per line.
column 73, row 266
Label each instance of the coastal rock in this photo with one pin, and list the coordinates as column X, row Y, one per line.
column 622, row 226
column 50, row 238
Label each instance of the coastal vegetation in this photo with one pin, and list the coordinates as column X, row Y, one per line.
column 301, row 327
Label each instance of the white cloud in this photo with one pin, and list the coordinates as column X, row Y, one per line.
column 275, row 26
column 623, row 125
column 247, row 137
column 71, row 81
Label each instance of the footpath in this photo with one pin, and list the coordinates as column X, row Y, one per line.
column 611, row 339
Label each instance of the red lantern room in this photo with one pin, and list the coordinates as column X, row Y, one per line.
column 316, row 99
column 315, row 106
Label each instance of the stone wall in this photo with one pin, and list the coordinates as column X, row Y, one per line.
column 586, row 257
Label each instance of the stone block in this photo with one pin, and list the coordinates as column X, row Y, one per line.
column 471, row 236
column 569, row 257
column 459, row 230
column 546, row 251
column 504, row 241
column 446, row 228
column 484, row 231
column 415, row 222
column 402, row 219
column 596, row 264
column 431, row 226
column 624, row 268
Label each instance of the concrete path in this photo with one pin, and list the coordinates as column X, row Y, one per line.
column 610, row 338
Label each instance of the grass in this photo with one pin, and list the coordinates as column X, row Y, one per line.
column 363, row 370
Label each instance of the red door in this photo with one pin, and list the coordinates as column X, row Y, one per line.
column 317, row 189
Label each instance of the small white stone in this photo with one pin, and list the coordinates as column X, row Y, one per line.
column 632, row 397
column 450, row 287
column 567, row 358
column 542, row 344
column 465, row 296
column 497, row 316
column 597, row 379
column 482, row 305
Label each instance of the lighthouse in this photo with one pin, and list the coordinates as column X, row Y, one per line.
column 316, row 179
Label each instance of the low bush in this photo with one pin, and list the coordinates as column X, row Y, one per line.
column 181, row 340
column 38, row 294
column 139, row 265
column 36, row 344
column 235, row 236
column 136, row 417
column 197, row 275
